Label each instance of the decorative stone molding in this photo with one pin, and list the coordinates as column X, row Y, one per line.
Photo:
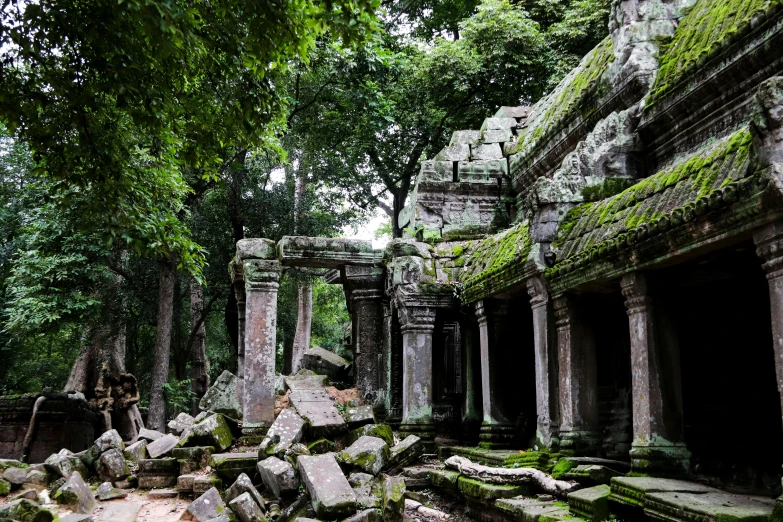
column 322, row 252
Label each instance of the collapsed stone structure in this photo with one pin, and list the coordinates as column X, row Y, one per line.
column 595, row 275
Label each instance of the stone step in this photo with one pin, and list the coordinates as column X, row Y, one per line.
column 230, row 465
column 590, row 503
column 478, row 490
column 533, row 510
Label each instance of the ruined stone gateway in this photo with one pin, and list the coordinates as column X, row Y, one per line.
column 597, row 275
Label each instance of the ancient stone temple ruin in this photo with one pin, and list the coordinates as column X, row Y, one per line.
column 597, row 275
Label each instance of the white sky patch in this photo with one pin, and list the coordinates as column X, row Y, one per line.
column 367, row 229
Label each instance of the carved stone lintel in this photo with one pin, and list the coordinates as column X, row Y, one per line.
column 416, row 319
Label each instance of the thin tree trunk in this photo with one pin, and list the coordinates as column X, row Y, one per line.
column 304, row 322
column 160, row 371
column 199, row 379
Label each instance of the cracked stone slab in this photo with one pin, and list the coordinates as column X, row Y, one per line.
column 370, row 454
column 317, row 408
column 330, row 493
column 287, row 430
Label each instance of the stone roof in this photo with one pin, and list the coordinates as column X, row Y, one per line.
column 706, row 179
column 709, row 29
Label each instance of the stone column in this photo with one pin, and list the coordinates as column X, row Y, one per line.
column 548, row 423
column 238, row 279
column 769, row 247
column 417, row 324
column 657, row 446
column 497, row 430
column 579, row 426
column 262, row 276
column 366, row 285
column 471, row 409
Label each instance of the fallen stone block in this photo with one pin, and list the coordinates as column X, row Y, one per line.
column 25, row 510
column 305, row 380
column 330, row 493
column 162, row 493
column 287, row 429
column 207, row 506
column 108, row 492
column 591, row 474
column 112, row 466
column 224, row 397
column 158, row 473
column 109, row 440
column 392, row 499
column 185, row 484
column 162, row 446
column 405, row 453
column 317, row 409
column 29, row 494
column 64, row 465
column 477, row 489
column 203, row 484
column 357, row 416
column 327, row 363
column 10, row 463
column 243, row 484
column 382, row 431
column 362, row 484
column 36, row 478
column 119, row 512
column 246, row 509
column 15, row 476
column 534, row 509
column 150, row 435
column 5, row 487
column 76, row 494
column 590, row 503
column 55, row 486
column 136, row 451
column 444, row 479
column 212, row 431
column 368, row 515
column 278, row 476
column 370, row 454
column 292, row 453
column 182, row 422
column 230, row 465
column 321, row 446
column 131, row 482
column 192, row 459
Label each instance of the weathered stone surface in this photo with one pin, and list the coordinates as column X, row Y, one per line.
column 327, row 363
column 212, row 431
column 246, row 508
column 203, row 484
column 392, row 499
column 37, row 478
column 192, row 459
column 330, row 493
column 162, row 446
column 185, row 484
column 305, row 380
column 497, row 136
column 317, row 408
column 112, row 466
column 15, row 476
column 590, row 503
column 109, row 440
column 243, row 484
column 292, row 453
column 10, row 463
column 362, row 484
column 158, row 473
column 451, row 153
column 25, row 510
column 108, row 492
column 64, row 465
column 131, row 482
column 278, row 476
column 55, row 486
column 182, row 422
column 533, row 509
column 231, row 465
column 150, row 435
column 477, row 489
column 287, row 429
column 407, row 451
column 369, row 454
column 224, row 396
column 322, row 446
column 119, row 512
column 468, row 137
column 76, row 494
column 29, row 494
column 367, row 515
column 136, row 451
column 358, row 416
column 324, row 252
column 207, row 506
column 162, row 493
column 488, row 151
column 5, row 487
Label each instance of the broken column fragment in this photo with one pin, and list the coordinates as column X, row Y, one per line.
column 206, row 507
column 278, row 476
column 246, row 509
column 224, row 397
column 330, row 493
column 212, row 431
column 286, row 430
column 324, row 362
column 76, row 494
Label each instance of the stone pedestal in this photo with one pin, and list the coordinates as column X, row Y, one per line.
column 497, row 429
column 769, row 247
column 366, row 285
column 417, row 325
column 656, row 392
column 548, row 418
column 579, row 426
column 262, row 276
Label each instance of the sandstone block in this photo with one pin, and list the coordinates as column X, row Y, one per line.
column 64, row 465
column 382, row 431
column 108, row 492
column 407, row 451
column 278, row 476
column 212, row 431
column 162, row 445
column 185, row 484
column 327, row 363
column 243, row 484
column 370, row 454
column 25, row 511
column 136, row 451
column 109, row 440
column 224, row 397
column 36, row 478
column 76, row 494
column 246, row 509
column 203, row 484
column 392, row 499
column 162, row 493
column 358, row 416
column 287, row 429
column 192, row 459
column 150, row 435
column 15, row 476
column 182, row 422
column 330, row 493
column 206, row 507
column 112, row 466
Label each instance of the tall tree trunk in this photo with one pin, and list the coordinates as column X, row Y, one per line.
column 160, row 371
column 199, row 379
column 304, row 316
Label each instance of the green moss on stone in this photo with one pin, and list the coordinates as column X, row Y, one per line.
column 488, row 492
column 497, row 252
column 562, row 467
column 457, row 250
column 708, row 29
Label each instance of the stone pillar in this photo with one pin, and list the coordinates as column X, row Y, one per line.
column 366, row 284
column 548, row 418
column 386, row 360
column 417, row 324
column 262, row 276
column 238, row 280
column 769, row 247
column 497, row 429
column 657, row 446
column 472, row 408
column 579, row 426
